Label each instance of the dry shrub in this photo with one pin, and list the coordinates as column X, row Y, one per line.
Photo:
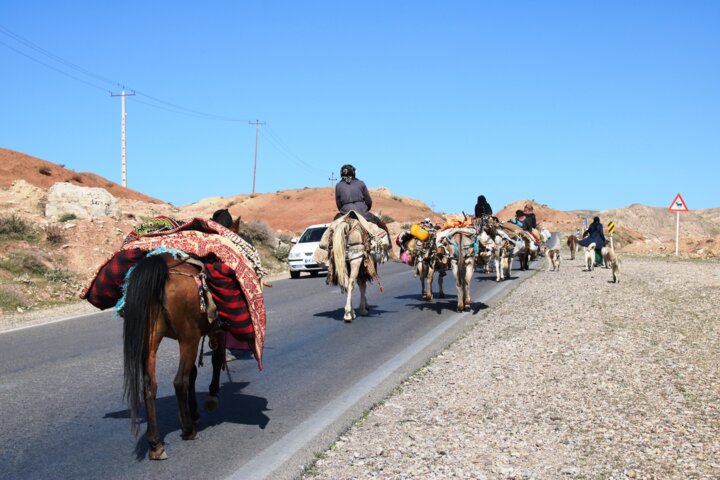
column 23, row 261
column 54, row 234
column 45, row 171
column 14, row 227
column 258, row 232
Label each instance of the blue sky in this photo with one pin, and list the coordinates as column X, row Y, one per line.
column 578, row 105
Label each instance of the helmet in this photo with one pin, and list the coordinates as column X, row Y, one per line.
column 347, row 171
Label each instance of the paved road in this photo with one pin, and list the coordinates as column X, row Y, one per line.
column 61, row 385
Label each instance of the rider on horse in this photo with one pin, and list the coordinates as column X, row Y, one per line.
column 352, row 194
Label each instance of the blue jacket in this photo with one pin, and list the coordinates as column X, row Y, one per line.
column 594, row 234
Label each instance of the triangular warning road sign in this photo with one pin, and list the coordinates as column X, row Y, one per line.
column 678, row 205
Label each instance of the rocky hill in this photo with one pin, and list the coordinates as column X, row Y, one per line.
column 69, row 251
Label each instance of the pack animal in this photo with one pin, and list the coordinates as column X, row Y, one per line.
column 427, row 264
column 572, row 243
column 162, row 301
column 458, row 247
column 355, row 256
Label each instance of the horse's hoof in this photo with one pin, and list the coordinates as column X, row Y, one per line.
column 189, row 436
column 158, row 454
column 348, row 320
column 211, row 403
column 364, row 313
column 467, row 308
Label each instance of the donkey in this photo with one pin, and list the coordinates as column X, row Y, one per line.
column 459, row 247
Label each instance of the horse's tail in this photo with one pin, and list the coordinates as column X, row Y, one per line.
column 143, row 298
column 339, row 244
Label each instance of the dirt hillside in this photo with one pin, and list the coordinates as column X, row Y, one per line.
column 79, row 246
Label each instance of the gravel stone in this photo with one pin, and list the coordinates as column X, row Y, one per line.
column 570, row 376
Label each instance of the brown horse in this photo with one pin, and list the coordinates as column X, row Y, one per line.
column 162, row 300
column 572, row 243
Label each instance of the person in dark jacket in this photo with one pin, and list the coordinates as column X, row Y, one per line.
column 530, row 220
column 352, row 194
column 594, row 234
column 482, row 207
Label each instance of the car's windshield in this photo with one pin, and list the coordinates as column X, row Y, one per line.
column 312, row 235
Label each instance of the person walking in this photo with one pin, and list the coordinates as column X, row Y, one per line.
column 482, row 207
column 594, row 234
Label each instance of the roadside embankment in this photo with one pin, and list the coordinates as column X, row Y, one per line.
column 571, row 376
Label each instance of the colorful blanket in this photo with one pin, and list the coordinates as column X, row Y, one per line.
column 203, row 239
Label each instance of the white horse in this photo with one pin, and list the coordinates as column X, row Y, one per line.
column 356, row 254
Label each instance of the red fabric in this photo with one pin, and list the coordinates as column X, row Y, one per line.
column 230, row 300
column 202, row 238
column 106, row 290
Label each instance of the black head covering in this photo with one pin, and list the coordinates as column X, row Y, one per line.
column 223, row 217
column 596, row 219
column 347, row 172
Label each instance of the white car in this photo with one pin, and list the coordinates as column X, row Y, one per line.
column 300, row 257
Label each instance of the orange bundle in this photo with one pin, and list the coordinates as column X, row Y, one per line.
column 456, row 223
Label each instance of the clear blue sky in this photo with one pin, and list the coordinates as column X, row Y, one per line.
column 578, row 105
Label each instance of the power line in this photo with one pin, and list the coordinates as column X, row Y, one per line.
column 68, row 64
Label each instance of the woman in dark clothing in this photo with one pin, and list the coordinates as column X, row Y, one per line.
column 530, row 220
column 482, row 207
column 594, row 234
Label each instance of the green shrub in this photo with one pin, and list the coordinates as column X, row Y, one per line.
column 14, row 227
column 66, row 217
column 21, row 261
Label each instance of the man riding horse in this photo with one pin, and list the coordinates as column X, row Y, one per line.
column 352, row 194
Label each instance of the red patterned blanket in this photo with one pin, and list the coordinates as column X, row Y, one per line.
column 200, row 238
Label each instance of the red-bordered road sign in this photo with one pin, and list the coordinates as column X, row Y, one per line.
column 678, row 205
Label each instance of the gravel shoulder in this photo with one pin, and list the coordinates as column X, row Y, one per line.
column 570, row 376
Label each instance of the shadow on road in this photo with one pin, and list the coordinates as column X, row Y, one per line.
column 234, row 407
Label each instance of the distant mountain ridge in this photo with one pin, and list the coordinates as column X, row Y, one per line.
column 294, row 209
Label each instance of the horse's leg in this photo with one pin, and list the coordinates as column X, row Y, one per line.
column 157, row 449
column 352, row 277
column 420, row 270
column 188, row 353
column 192, row 399
column 211, row 403
column 429, row 272
column 441, row 272
column 469, row 270
column 363, row 298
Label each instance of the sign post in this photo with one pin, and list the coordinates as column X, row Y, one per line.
column 678, row 205
column 611, row 230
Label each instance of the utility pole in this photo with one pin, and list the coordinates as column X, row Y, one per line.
column 122, row 96
column 332, row 179
column 257, row 127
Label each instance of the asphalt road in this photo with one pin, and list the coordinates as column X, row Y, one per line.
column 63, row 415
